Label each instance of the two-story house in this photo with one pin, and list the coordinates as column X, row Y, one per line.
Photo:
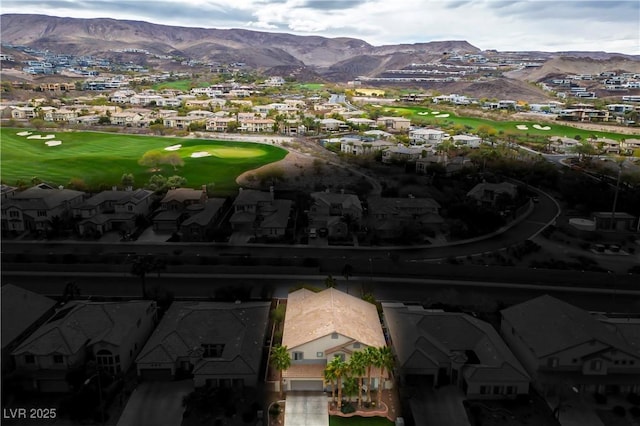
column 397, row 124
column 201, row 220
column 320, row 326
column 112, row 332
column 441, row 348
column 260, row 214
column 488, row 194
column 425, row 136
column 112, row 211
column 562, row 345
column 391, row 217
column 23, row 311
column 173, row 208
column 35, row 208
column 335, row 212
column 219, row 344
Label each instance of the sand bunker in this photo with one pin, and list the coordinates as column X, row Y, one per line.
column 423, row 113
column 200, row 154
column 539, row 127
column 23, row 133
column 173, row 148
column 435, row 112
column 442, row 115
column 53, row 143
column 522, row 127
column 41, row 137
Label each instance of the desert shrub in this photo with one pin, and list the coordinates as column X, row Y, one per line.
column 348, row 408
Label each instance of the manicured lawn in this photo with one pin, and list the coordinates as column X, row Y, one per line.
column 357, row 421
column 184, row 85
column 100, row 159
column 426, row 115
column 312, row 86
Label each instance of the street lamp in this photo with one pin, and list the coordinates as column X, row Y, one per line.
column 615, row 197
column 86, row 382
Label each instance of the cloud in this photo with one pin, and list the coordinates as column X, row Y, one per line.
column 501, row 24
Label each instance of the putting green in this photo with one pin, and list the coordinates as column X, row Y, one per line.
column 224, row 151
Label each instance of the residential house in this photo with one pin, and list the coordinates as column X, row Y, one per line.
column 606, row 145
column 441, row 348
column 173, row 208
column 487, row 194
column 219, row 344
column 583, row 114
column 471, row 141
column 112, row 333
column 356, row 146
column 364, row 122
column 7, row 191
column 401, row 153
column 219, row 124
column 112, row 211
column 202, row 220
column 425, row 136
column 23, row 113
column 259, row 214
column 391, row 217
column 182, row 122
column 630, row 145
column 23, row 311
column 397, row 124
column 335, row 211
column 321, row 326
column 562, row 345
column 257, row 125
column 36, row 208
column 332, row 125
column 563, row 144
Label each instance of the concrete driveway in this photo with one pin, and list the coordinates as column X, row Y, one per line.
column 306, row 409
column 439, row 407
column 156, row 404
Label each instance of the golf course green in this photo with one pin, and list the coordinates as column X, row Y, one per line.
column 100, row 159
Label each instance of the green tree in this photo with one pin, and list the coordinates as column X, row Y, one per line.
column 158, row 128
column 281, row 361
column 357, row 366
column 127, row 180
column 173, row 159
column 157, row 183
column 151, row 159
column 384, row 361
column 330, row 378
column 176, row 182
column 370, row 355
column 330, row 282
column 340, row 368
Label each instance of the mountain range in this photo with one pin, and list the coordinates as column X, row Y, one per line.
column 331, row 59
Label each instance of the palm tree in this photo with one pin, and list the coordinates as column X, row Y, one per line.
column 357, row 366
column 383, row 360
column 281, row 361
column 369, row 359
column 330, row 377
column 340, row 368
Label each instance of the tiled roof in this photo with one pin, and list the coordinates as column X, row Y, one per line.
column 427, row 339
column 20, row 309
column 548, row 325
column 311, row 316
column 276, row 215
column 187, row 326
column 182, row 194
column 329, row 198
column 80, row 324
column 204, row 217
column 251, row 196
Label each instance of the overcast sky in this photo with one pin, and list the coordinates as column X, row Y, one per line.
column 549, row 25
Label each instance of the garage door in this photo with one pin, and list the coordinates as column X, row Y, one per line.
column 154, row 374
column 307, row 385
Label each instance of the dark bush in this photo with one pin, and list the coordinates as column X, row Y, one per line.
column 274, row 410
column 633, row 398
column 600, row 398
column 347, row 408
column 635, row 411
column 619, row 410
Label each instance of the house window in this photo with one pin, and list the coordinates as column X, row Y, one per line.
column 483, row 390
column 108, row 362
column 212, row 350
column 298, row 356
column 341, row 356
column 616, row 362
column 624, row 362
column 319, row 354
column 596, row 365
column 497, row 390
column 574, row 360
column 130, row 208
column 42, row 213
column 334, row 335
column 510, row 390
column 552, row 362
column 631, row 362
column 14, row 213
column 30, row 359
column 57, row 359
column 356, row 345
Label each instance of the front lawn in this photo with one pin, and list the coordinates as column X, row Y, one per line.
column 357, row 421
